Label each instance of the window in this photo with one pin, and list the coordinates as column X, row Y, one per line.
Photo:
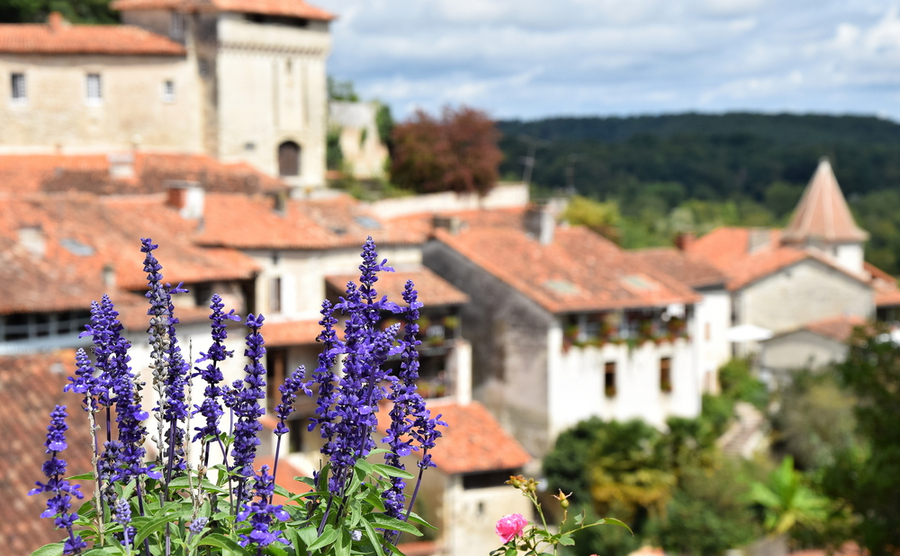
column 609, row 379
column 289, row 159
column 168, row 91
column 17, row 83
column 176, row 26
column 665, row 374
column 275, row 295
column 93, row 90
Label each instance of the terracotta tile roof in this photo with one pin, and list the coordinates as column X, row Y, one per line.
column 153, row 172
column 579, row 271
column 836, row 328
column 433, row 291
column 291, row 333
column 684, row 267
column 723, row 246
column 287, row 8
column 878, row 274
column 472, row 441
column 29, row 388
column 728, row 249
column 887, row 298
column 59, row 37
column 302, row 224
column 83, row 234
column 823, row 213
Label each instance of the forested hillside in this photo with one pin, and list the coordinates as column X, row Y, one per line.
column 659, row 175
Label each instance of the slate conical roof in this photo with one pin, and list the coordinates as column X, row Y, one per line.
column 822, row 213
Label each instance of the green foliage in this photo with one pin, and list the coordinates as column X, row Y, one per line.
column 384, row 121
column 788, row 501
column 334, row 156
column 739, row 384
column 815, row 420
column 628, row 464
column 707, row 515
column 36, row 11
column 602, row 218
column 674, row 489
column 869, row 477
column 717, row 411
column 341, row 90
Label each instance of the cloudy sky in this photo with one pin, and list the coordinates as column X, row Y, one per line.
column 534, row 58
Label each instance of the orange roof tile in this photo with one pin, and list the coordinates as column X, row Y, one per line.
column 302, row 224
column 837, row 328
column 59, row 37
column 287, row 8
column 433, row 291
column 82, row 234
column 729, row 250
column 152, row 174
column 684, row 267
column 579, row 271
column 291, row 333
column 472, row 441
column 823, row 213
column 29, row 388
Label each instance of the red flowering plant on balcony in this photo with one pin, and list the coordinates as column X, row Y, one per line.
column 176, row 505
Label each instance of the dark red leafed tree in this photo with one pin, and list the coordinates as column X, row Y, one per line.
column 457, row 152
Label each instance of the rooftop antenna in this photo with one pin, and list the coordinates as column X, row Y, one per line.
column 570, row 173
column 528, row 161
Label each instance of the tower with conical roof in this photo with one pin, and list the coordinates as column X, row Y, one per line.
column 822, row 220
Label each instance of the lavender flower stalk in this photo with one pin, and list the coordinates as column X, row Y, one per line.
column 211, row 408
column 58, row 506
column 262, row 514
column 247, row 409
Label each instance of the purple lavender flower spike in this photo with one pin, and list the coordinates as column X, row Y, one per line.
column 407, row 403
column 59, row 504
column 247, row 408
column 261, row 514
column 211, row 408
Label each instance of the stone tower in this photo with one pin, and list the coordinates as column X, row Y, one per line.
column 822, row 220
column 260, row 67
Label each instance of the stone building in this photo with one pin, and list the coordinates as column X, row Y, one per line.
column 236, row 80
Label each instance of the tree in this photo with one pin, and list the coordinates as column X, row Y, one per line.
column 341, row 90
column 869, row 478
column 788, row 501
column 36, row 11
column 457, row 152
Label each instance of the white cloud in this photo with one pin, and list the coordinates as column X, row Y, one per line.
column 532, row 58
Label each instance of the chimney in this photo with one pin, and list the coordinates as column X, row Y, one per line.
column 109, row 276
column 540, row 223
column 450, row 223
column 684, row 240
column 56, row 22
column 32, row 239
column 186, row 196
column 758, row 238
column 121, row 165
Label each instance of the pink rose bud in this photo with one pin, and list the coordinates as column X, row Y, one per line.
column 510, row 526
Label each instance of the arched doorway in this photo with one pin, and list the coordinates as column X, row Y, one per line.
column 289, row 159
